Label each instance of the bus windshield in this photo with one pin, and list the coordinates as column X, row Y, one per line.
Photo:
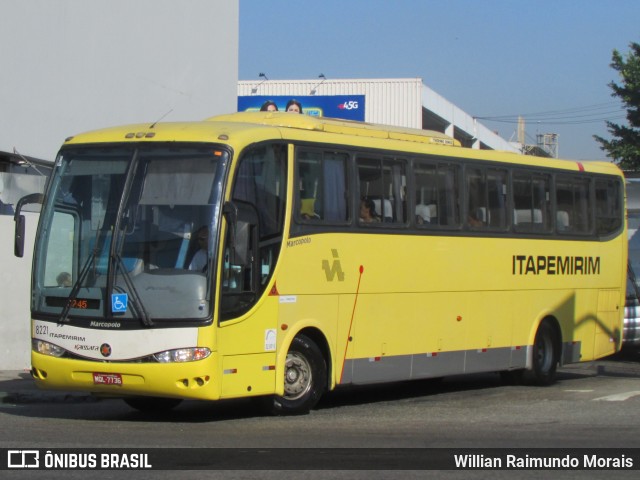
column 128, row 234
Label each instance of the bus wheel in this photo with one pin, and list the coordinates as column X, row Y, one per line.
column 305, row 378
column 545, row 355
column 152, row 404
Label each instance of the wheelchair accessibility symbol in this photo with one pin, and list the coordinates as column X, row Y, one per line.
column 119, row 302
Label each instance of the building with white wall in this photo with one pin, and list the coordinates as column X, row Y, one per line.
column 404, row 102
column 69, row 66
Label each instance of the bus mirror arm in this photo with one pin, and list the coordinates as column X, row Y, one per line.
column 230, row 212
column 18, row 218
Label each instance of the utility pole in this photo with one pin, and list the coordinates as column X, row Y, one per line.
column 521, row 136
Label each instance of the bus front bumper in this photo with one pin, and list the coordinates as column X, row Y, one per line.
column 189, row 380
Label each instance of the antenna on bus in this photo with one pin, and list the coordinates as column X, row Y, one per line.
column 160, row 119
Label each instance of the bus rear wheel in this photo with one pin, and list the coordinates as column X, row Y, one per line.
column 545, row 355
column 305, row 379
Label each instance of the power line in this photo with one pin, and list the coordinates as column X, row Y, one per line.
column 597, row 106
column 595, row 113
column 566, row 122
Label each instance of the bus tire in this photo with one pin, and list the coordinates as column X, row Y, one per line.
column 152, row 404
column 545, row 355
column 305, row 379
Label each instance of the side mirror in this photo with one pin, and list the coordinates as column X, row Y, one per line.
column 18, row 243
column 20, row 221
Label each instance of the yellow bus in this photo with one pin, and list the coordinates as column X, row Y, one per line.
column 280, row 256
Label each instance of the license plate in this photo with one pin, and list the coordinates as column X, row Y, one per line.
column 107, row 379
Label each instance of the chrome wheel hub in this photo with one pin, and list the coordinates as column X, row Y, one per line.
column 297, row 376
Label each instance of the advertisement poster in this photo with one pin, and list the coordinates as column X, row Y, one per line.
column 348, row 107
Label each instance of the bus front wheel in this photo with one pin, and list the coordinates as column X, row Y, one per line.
column 545, row 355
column 305, row 379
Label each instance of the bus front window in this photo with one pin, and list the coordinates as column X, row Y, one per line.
column 59, row 262
column 118, row 234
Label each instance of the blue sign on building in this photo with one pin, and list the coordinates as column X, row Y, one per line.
column 347, row 107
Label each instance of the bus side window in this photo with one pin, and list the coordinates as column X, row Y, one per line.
column 383, row 181
column 261, row 181
column 531, row 201
column 436, row 194
column 309, row 167
column 609, row 204
column 486, row 198
column 260, row 186
column 322, row 186
column 573, row 205
column 476, row 198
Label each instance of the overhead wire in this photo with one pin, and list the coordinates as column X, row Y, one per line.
column 595, row 113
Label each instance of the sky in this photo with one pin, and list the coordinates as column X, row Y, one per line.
column 546, row 60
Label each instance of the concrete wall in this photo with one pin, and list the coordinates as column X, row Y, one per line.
column 69, row 66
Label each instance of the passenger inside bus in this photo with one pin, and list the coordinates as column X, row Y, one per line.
column 64, row 279
column 200, row 258
column 476, row 217
column 424, row 213
column 368, row 211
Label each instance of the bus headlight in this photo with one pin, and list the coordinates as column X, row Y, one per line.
column 182, row 355
column 47, row 348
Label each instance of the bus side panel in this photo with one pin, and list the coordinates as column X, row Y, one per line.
column 607, row 327
column 317, row 312
column 247, row 348
column 244, row 375
column 388, row 328
column 418, row 306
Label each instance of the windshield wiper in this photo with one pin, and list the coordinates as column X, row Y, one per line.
column 116, row 247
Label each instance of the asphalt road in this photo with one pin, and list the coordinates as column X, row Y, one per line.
column 592, row 405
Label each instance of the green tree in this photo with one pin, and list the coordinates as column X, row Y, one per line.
column 624, row 148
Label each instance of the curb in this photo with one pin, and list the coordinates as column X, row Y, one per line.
column 13, row 398
column 18, row 388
